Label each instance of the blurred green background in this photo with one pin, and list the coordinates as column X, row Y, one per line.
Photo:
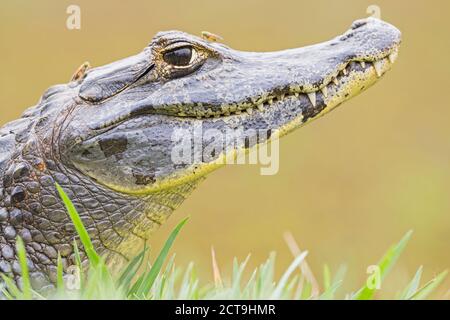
column 349, row 185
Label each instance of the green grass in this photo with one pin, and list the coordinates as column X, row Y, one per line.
column 143, row 280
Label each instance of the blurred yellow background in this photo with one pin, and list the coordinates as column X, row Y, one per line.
column 349, row 185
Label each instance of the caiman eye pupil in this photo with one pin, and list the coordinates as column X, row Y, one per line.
column 178, row 57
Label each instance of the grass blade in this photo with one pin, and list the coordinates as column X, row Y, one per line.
column 81, row 230
column 216, row 271
column 59, row 275
column 413, row 286
column 10, row 291
column 150, row 277
column 429, row 287
column 385, row 265
column 284, row 279
column 78, row 263
column 130, row 271
column 26, row 289
column 326, row 277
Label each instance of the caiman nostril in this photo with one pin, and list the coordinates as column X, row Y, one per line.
column 358, row 24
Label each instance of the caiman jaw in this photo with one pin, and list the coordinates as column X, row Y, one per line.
column 353, row 78
column 348, row 80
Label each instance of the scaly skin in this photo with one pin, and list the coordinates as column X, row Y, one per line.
column 107, row 136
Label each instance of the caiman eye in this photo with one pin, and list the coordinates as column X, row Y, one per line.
column 180, row 57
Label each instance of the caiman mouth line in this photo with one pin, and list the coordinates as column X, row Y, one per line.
column 325, row 90
column 329, row 83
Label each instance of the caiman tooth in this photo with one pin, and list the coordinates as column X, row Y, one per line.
column 344, row 72
column 324, row 91
column 237, row 112
column 363, row 64
column 249, row 110
column 335, row 81
column 296, row 94
column 393, row 56
column 260, row 107
column 312, row 98
column 282, row 96
column 378, row 65
column 270, row 101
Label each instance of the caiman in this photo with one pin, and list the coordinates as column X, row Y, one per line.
column 106, row 136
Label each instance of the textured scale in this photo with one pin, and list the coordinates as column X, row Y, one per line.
column 30, row 207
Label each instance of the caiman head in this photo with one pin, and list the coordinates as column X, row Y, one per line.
column 123, row 132
column 110, row 137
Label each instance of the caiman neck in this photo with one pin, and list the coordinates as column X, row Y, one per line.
column 30, row 207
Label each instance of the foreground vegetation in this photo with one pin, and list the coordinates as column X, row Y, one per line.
column 143, row 280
